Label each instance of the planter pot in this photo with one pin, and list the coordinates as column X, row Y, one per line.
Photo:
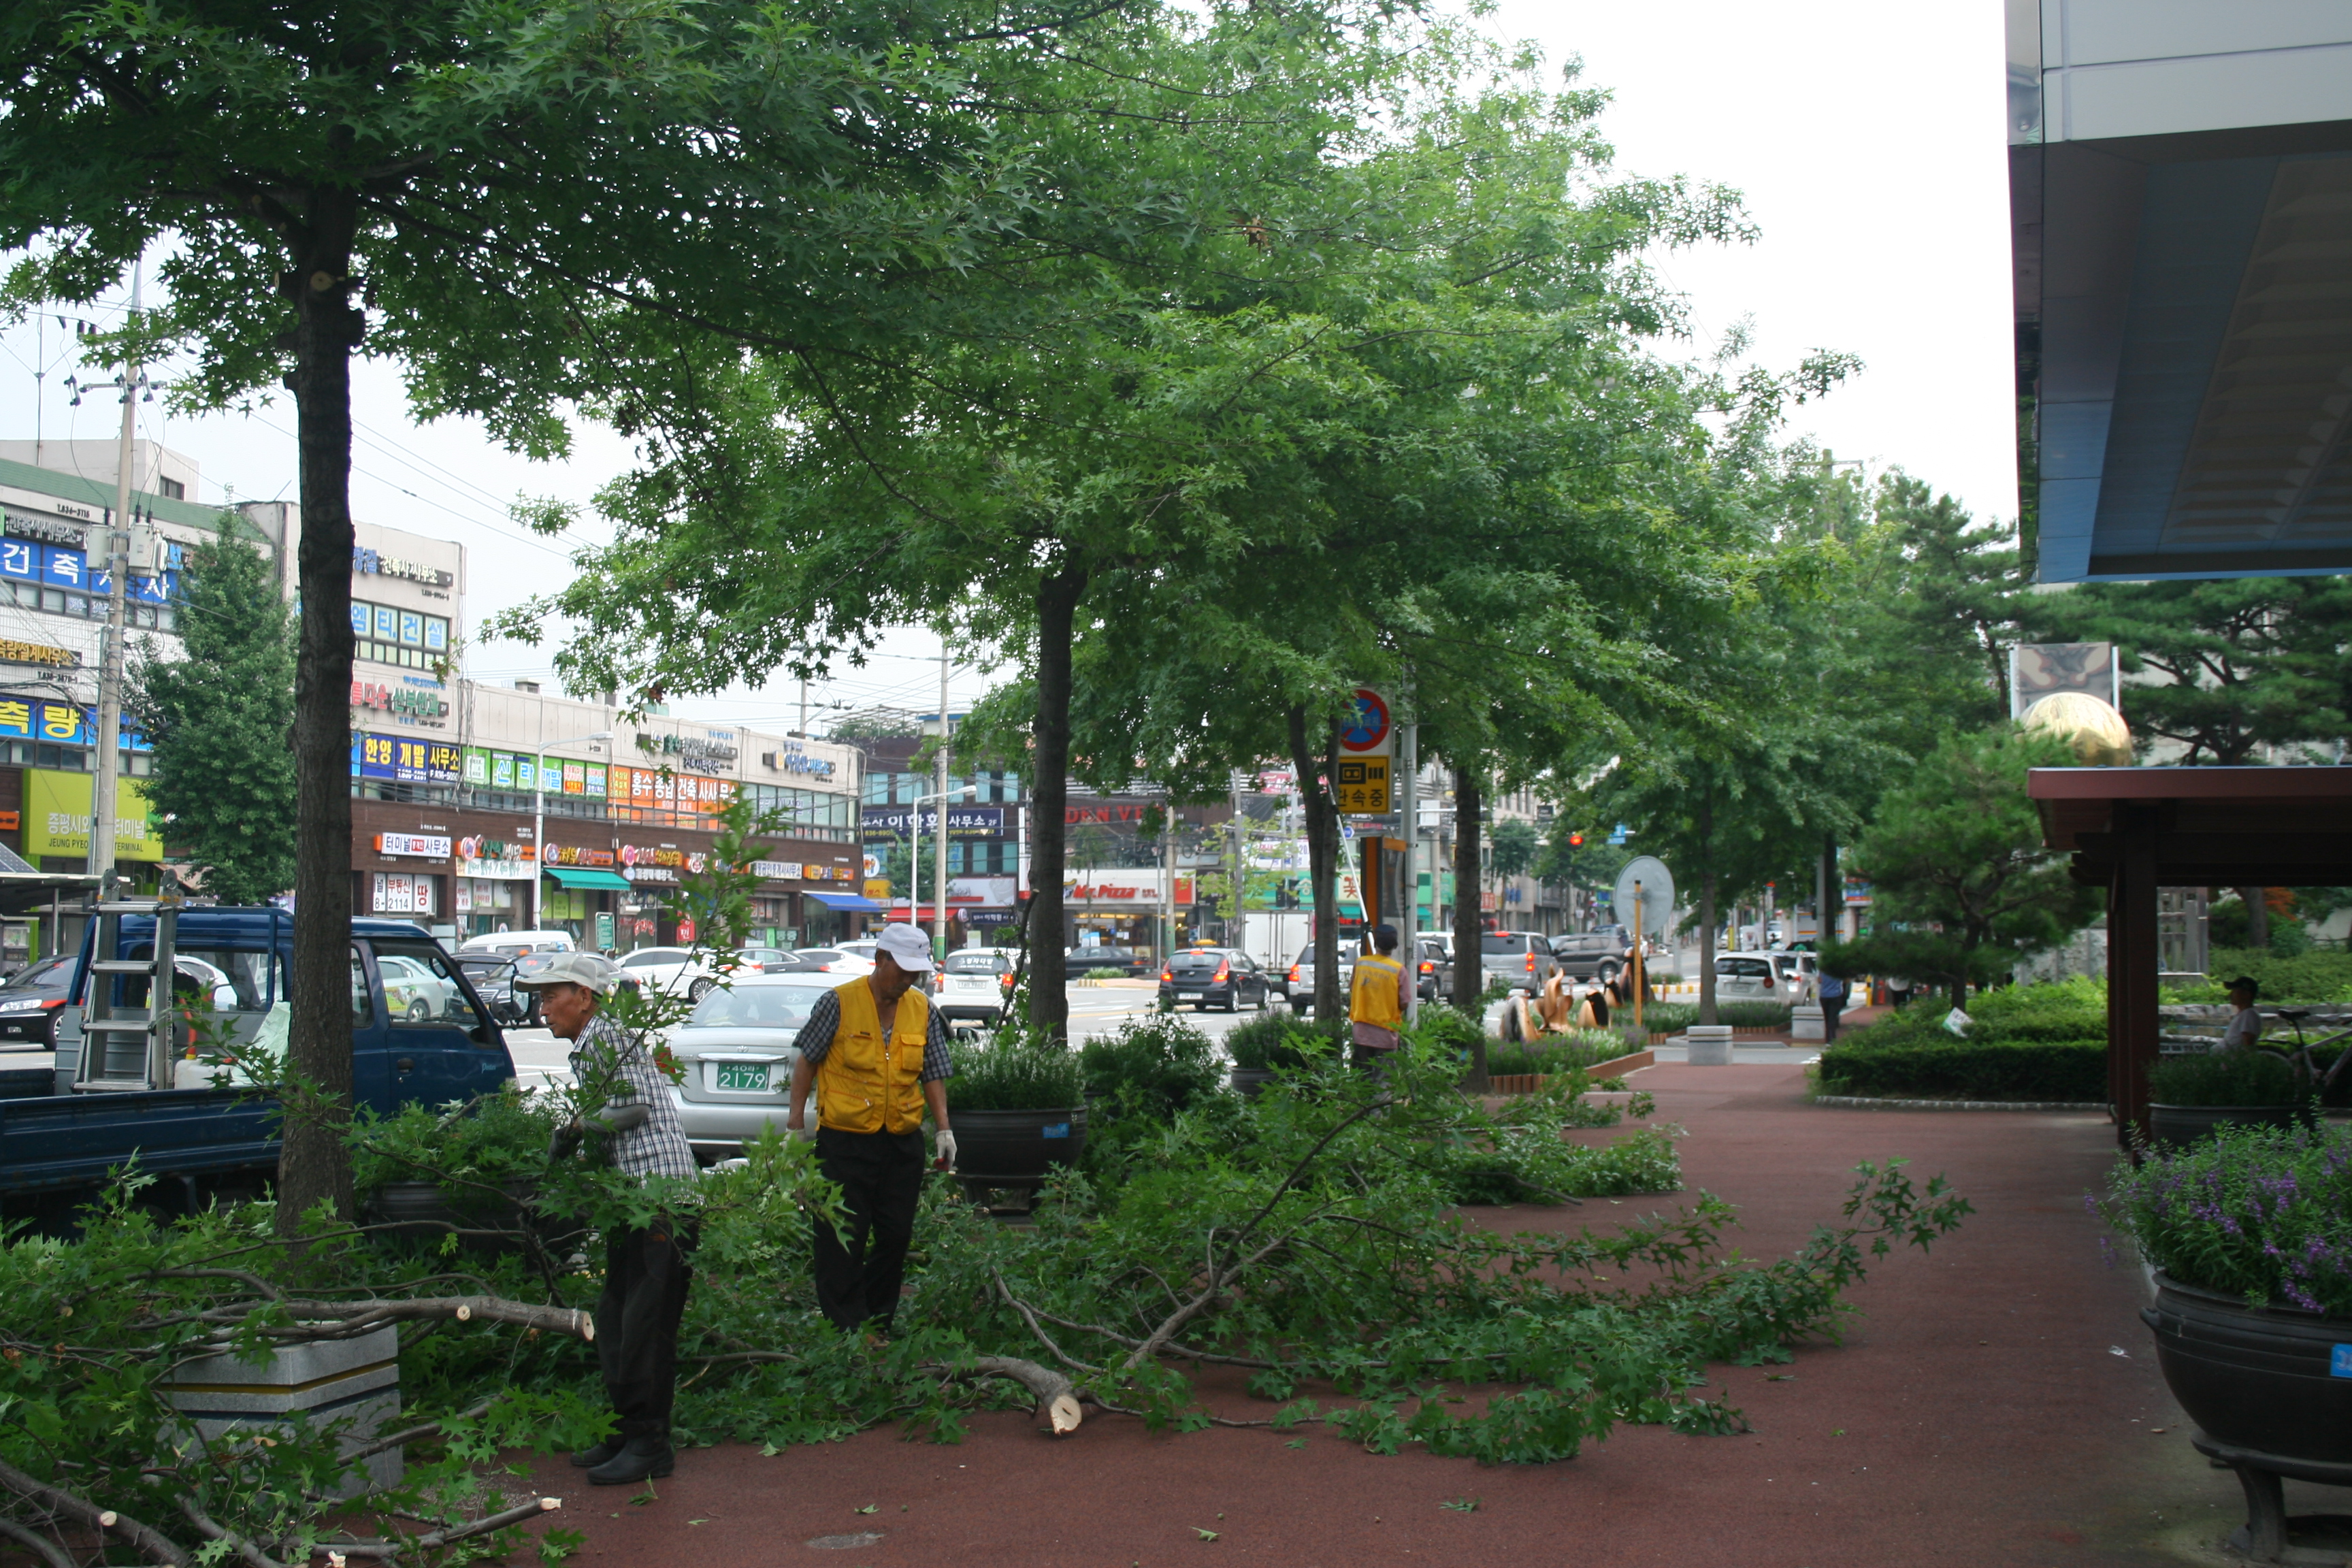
column 2182, row 1124
column 1249, row 1082
column 1017, row 1148
column 423, row 1209
column 1710, row 1045
column 2255, row 1378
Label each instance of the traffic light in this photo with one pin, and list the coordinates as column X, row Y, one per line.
column 1576, row 841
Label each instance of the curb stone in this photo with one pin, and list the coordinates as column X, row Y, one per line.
column 1864, row 1102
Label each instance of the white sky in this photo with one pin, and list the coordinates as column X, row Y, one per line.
column 1867, row 141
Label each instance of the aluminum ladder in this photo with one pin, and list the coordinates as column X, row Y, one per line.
column 126, row 1047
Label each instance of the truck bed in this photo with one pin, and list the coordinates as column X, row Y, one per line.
column 52, row 1141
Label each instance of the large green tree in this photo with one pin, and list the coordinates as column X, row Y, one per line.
column 219, row 717
column 532, row 208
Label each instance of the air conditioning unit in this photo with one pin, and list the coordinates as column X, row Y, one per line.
column 768, row 761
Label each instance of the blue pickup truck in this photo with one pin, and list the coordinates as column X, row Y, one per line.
column 419, row 1034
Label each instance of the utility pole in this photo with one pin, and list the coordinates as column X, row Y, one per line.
column 803, row 707
column 110, row 664
column 940, row 849
column 1408, row 813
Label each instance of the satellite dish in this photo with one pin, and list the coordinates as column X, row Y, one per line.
column 1657, row 895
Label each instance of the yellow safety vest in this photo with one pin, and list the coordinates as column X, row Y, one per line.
column 1373, row 999
column 868, row 1082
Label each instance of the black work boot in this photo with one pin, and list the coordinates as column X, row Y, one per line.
column 642, row 1458
column 589, row 1458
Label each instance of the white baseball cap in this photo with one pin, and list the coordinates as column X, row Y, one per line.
column 908, row 947
column 593, row 969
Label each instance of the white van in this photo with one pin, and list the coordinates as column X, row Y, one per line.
column 514, row 942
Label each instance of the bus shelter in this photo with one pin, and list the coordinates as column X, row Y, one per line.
column 2135, row 830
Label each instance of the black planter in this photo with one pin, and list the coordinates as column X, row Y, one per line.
column 1016, row 1148
column 1250, row 1082
column 2255, row 1378
column 422, row 1209
column 2177, row 1125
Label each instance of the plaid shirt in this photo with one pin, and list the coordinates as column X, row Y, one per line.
column 816, row 1038
column 605, row 1058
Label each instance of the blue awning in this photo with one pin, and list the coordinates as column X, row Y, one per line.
column 846, row 901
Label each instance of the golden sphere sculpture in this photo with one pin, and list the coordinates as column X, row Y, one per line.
column 2097, row 732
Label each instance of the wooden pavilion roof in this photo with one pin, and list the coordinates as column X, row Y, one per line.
column 2210, row 827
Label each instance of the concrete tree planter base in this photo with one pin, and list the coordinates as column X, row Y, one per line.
column 1710, row 1045
column 1805, row 1024
column 353, row 1384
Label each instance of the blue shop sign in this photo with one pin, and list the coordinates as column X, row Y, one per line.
column 58, row 723
column 404, row 759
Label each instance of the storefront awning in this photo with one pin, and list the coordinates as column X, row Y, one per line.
column 852, row 901
column 588, row 881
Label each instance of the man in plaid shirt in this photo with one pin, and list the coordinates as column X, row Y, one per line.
column 645, row 1271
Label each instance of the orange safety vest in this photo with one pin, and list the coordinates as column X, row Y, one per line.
column 869, row 1082
column 1374, row 997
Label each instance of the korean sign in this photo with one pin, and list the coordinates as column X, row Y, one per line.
column 56, row 816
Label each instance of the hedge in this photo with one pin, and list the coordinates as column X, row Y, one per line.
column 1967, row 1069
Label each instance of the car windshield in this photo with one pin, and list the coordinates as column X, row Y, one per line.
column 650, row 957
column 755, row 1008
column 975, row 963
column 1744, row 968
column 33, row 974
column 820, row 954
column 1200, row 959
column 1492, row 945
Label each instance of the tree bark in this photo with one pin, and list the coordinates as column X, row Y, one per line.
column 313, row 1166
column 1707, row 890
column 2258, row 916
column 1469, row 922
column 1322, row 861
column 1049, row 997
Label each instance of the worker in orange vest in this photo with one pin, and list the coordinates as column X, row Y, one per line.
column 1375, row 1001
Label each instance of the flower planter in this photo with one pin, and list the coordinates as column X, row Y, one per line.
column 2256, row 1378
column 1016, row 1149
column 2176, row 1125
column 1250, row 1082
column 1599, row 1072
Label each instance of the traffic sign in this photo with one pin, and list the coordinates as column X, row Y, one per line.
column 1620, row 835
column 1362, row 788
column 1368, row 731
column 1656, row 901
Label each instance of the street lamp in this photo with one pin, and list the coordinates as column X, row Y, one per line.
column 915, row 868
column 539, row 819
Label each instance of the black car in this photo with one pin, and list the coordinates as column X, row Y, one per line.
column 30, row 999
column 1079, row 962
column 493, row 976
column 1223, row 977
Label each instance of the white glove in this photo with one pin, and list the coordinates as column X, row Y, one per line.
column 806, row 1132
column 945, row 1145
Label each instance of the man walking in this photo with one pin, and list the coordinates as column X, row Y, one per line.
column 646, row 1270
column 1832, row 995
column 876, row 1053
column 1375, row 1001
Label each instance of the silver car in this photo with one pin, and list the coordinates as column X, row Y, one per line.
column 735, row 1054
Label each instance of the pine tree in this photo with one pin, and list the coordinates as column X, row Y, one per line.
column 220, row 720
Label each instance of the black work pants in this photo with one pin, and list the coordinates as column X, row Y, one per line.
column 860, row 1266
column 645, row 1280
column 1831, row 1008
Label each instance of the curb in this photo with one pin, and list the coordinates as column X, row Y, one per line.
column 1862, row 1102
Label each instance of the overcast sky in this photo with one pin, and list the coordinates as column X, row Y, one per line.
column 1866, row 139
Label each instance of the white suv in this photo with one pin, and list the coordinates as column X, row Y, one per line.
column 973, row 982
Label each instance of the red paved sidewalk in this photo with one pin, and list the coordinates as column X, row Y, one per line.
column 1975, row 1416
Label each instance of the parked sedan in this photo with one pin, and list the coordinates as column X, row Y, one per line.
column 1298, row 984
column 411, row 990
column 1080, row 961
column 30, row 1000
column 1433, row 970
column 493, row 976
column 841, row 961
column 735, row 1056
column 1207, row 977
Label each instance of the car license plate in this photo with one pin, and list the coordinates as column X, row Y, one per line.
column 743, row 1078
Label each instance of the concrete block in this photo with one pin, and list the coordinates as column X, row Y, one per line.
column 1710, row 1045
column 351, row 1386
column 1805, row 1022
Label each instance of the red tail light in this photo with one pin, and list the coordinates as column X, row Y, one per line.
column 1427, row 967
column 1531, row 963
column 1224, row 973
column 1168, row 976
column 1294, row 974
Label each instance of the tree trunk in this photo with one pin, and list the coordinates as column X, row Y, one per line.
column 2258, row 916
column 1469, row 926
column 1049, row 996
column 1706, row 947
column 313, row 1166
column 1322, row 862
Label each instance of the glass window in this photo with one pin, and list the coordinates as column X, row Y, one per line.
column 420, row 986
column 756, row 1007
column 257, row 979
column 648, row 957
column 362, row 1005
column 1744, row 968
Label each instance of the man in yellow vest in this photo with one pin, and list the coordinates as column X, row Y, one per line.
column 1376, row 1000
column 877, row 1055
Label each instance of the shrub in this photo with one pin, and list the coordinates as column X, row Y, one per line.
column 2223, row 1077
column 2323, row 974
column 2053, row 1012
column 1104, row 974
column 2262, row 1213
column 493, row 1140
column 1278, row 1042
column 1672, row 1018
column 1158, row 1066
column 1556, row 1053
column 1860, row 1064
column 1017, row 1073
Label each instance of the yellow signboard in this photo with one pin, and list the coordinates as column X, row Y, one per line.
column 877, row 888
column 57, row 817
column 1363, row 786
